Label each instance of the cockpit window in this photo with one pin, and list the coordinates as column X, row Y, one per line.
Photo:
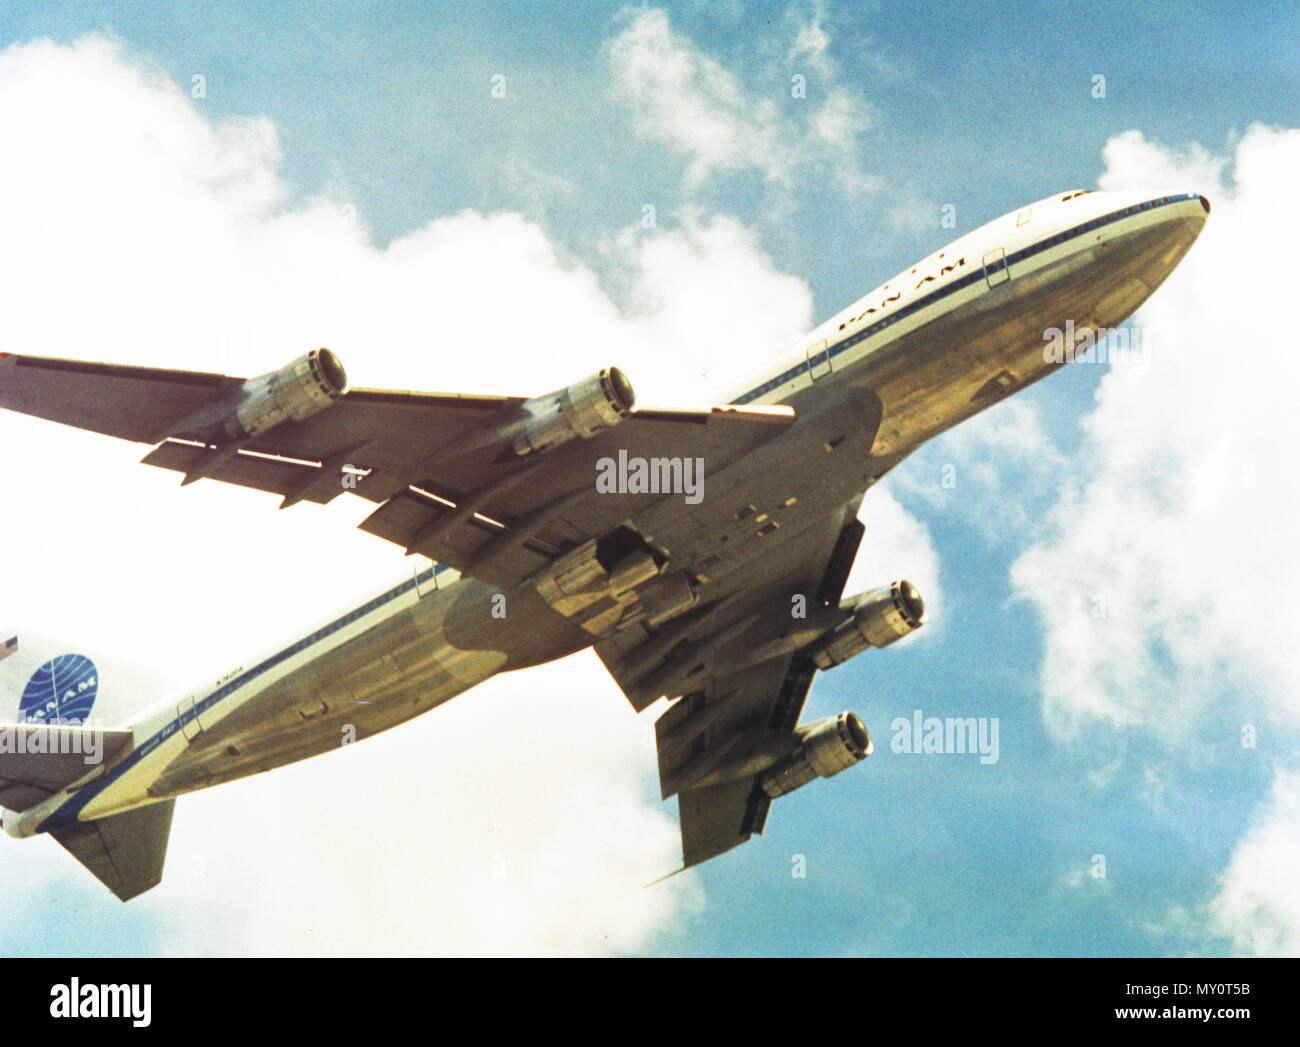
column 1076, row 192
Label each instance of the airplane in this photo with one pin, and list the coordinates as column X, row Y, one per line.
column 566, row 521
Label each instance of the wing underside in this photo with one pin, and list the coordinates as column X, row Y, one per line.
column 448, row 481
column 444, row 478
column 731, row 703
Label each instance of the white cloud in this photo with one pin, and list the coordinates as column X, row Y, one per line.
column 896, row 545
column 692, row 294
column 839, row 119
column 1169, row 575
column 997, row 470
column 685, row 98
column 1169, row 585
column 1258, row 902
column 511, row 822
column 1134, row 163
column 535, row 190
column 810, row 44
column 149, row 234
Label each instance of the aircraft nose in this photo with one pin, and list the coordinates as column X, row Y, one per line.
column 1190, row 213
column 1197, row 215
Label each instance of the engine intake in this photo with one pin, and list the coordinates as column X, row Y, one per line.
column 880, row 617
column 581, row 410
column 826, row 748
column 296, row 392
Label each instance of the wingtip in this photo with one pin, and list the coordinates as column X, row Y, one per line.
column 667, row 876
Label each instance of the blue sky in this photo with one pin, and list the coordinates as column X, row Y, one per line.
column 363, row 151
column 973, row 106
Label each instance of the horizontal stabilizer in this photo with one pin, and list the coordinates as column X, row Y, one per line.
column 125, row 851
column 37, row 760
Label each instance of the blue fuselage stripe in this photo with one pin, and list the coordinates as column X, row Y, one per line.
column 67, row 814
column 936, row 296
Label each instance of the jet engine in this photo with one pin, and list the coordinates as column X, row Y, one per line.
column 296, row 392
column 880, row 618
column 583, row 409
column 825, row 748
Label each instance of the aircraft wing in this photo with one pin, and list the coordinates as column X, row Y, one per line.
column 716, row 818
column 730, row 692
column 447, row 483
column 132, row 403
column 701, row 612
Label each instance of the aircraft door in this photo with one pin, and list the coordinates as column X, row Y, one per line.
column 425, row 581
column 995, row 267
column 190, row 725
column 819, row 360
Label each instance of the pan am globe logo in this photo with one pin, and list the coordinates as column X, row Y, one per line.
column 60, row 691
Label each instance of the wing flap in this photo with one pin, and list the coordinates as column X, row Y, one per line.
column 245, row 468
column 488, row 513
column 717, row 818
column 732, row 707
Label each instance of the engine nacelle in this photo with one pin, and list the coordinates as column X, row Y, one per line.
column 826, row 748
column 296, row 392
column 880, row 618
column 582, row 410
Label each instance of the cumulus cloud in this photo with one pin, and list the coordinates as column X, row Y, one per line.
column 1167, row 583
column 996, row 471
column 1132, row 162
column 1257, row 905
column 521, row 818
column 897, row 545
column 685, row 98
column 1169, row 573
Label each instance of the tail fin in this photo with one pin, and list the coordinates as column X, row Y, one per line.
column 44, row 681
column 52, row 703
column 49, row 734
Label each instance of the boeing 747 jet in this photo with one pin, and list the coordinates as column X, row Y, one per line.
column 702, row 552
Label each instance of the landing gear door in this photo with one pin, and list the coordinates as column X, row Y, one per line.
column 819, row 360
column 995, row 267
